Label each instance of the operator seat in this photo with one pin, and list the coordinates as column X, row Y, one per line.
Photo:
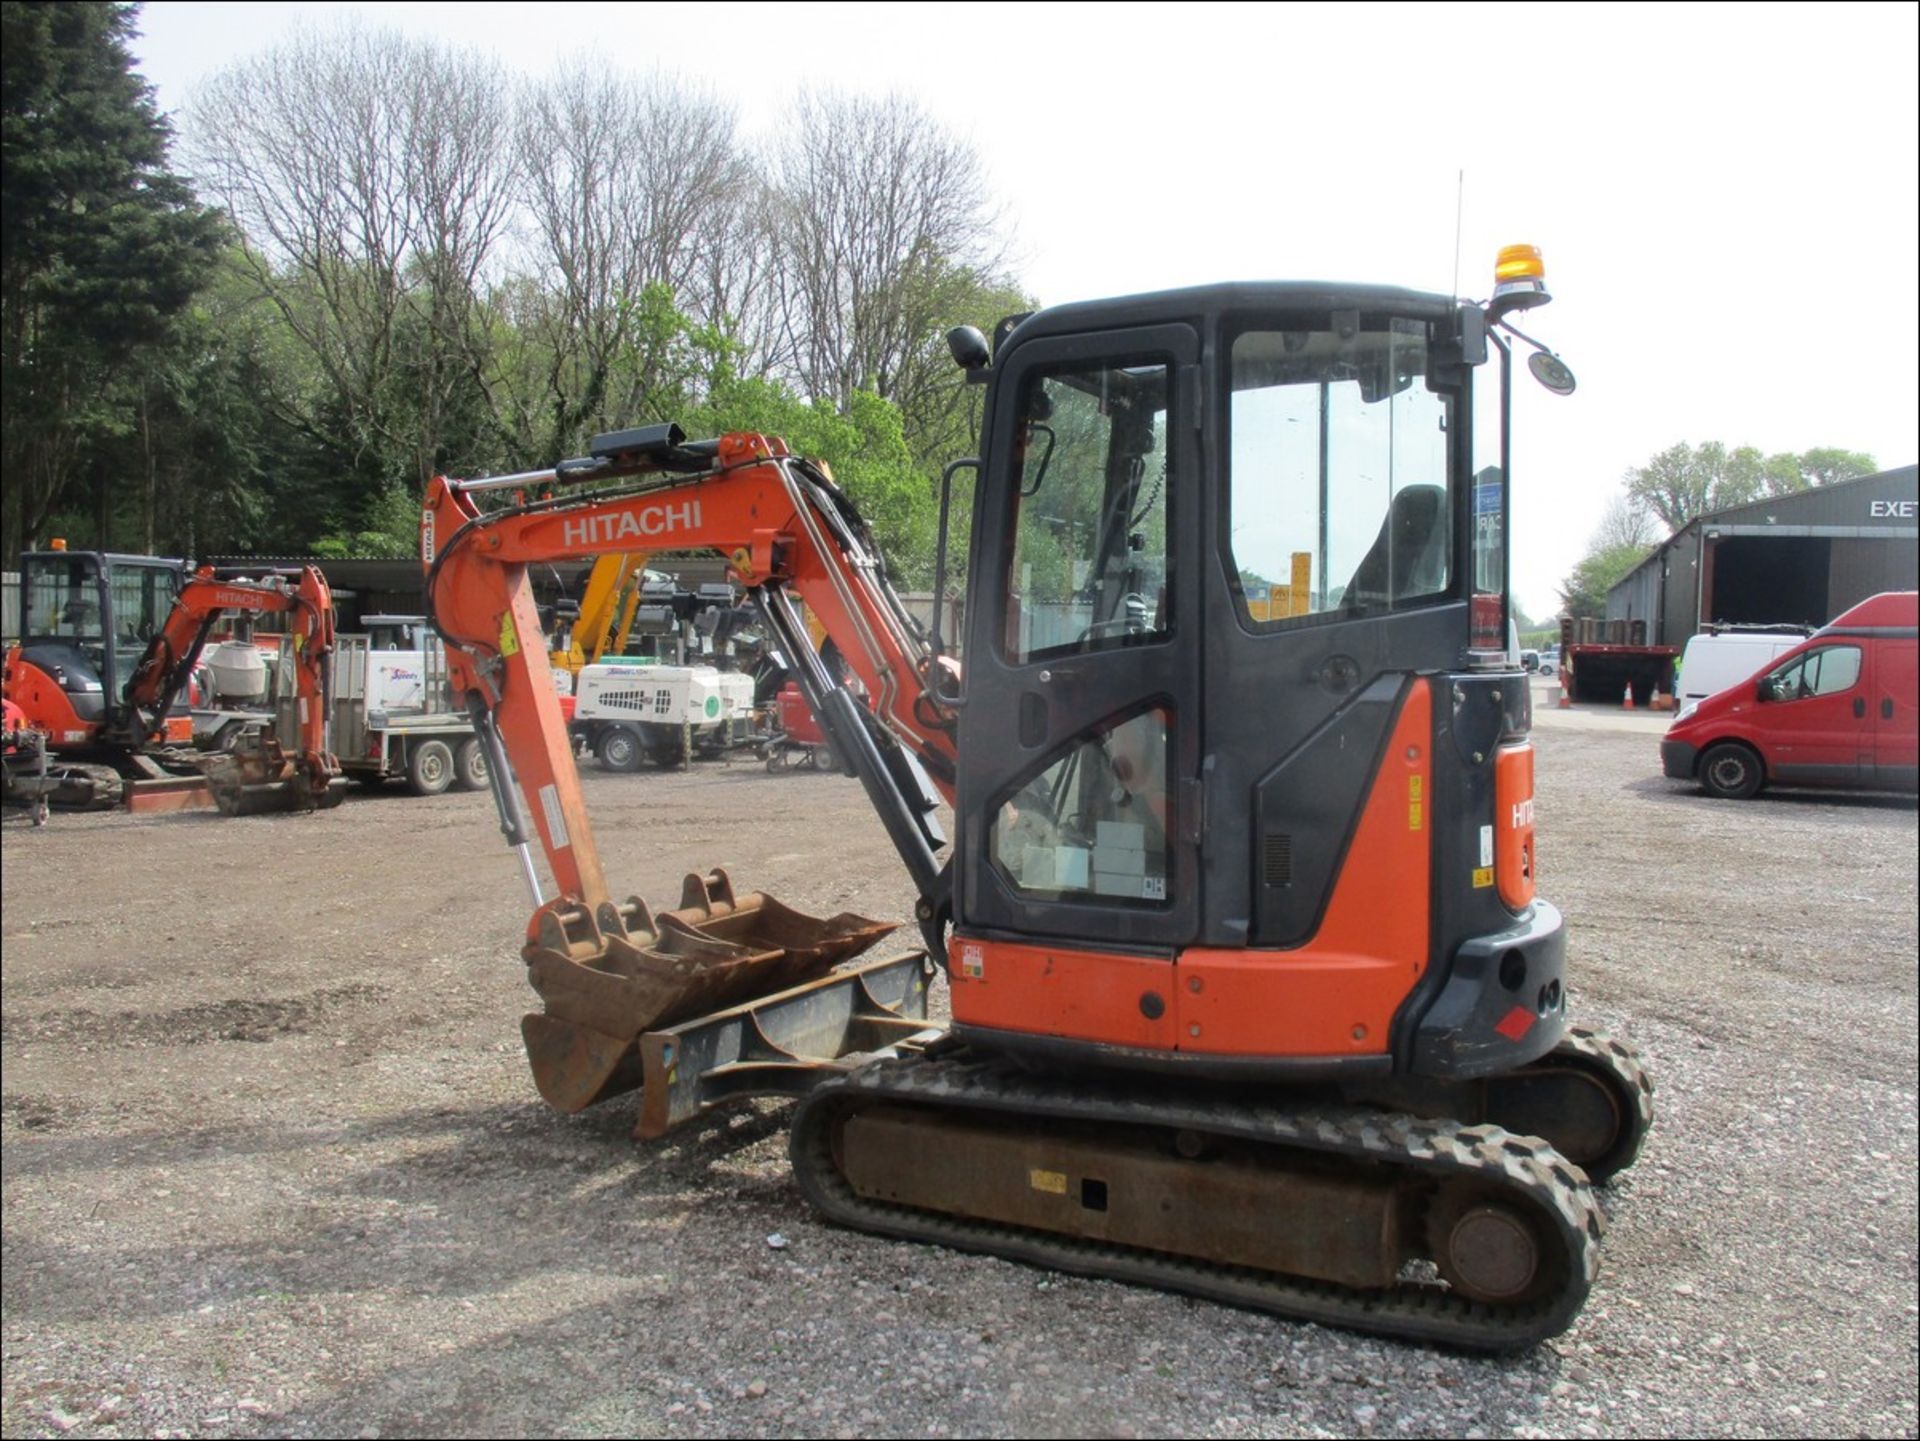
column 1409, row 556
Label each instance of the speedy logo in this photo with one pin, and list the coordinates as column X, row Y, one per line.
column 642, row 524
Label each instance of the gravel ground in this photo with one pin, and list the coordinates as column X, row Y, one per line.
column 273, row 1164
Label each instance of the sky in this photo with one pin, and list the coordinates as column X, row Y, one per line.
column 1725, row 195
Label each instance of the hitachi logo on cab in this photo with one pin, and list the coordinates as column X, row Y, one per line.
column 642, row 524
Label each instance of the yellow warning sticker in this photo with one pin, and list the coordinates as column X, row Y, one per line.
column 1415, row 787
column 1415, row 816
column 1054, row 1183
column 1482, row 877
column 509, row 638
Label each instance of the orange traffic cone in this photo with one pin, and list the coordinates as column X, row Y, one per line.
column 1627, row 703
column 1566, row 701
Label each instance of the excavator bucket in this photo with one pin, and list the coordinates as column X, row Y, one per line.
column 608, row 979
column 260, row 778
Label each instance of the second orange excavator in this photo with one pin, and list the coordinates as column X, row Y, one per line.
column 110, row 644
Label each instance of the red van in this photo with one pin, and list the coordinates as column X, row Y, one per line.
column 1839, row 709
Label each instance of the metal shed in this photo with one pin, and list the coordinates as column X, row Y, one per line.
column 1797, row 559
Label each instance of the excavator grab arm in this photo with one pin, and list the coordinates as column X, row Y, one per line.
column 783, row 527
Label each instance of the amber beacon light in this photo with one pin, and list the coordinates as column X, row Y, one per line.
column 1519, row 280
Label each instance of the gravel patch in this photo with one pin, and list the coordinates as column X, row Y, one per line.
column 274, row 1166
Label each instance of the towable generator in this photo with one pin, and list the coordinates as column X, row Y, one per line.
column 1252, row 994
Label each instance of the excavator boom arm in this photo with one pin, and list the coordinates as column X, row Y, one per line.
column 783, row 527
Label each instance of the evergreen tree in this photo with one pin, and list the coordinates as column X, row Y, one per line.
column 101, row 246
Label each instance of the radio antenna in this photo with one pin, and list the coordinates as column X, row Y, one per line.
column 1459, row 209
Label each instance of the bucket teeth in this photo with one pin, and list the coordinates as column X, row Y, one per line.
column 605, row 979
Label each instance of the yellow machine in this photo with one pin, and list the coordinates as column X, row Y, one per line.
column 606, row 612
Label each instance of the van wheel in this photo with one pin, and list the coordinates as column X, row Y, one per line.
column 470, row 765
column 619, row 750
column 430, row 768
column 1730, row 771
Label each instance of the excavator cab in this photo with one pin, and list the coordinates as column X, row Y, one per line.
column 1222, row 539
column 86, row 618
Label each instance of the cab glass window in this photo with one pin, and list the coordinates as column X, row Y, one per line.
column 1828, row 671
column 1093, row 824
column 63, row 599
column 1089, row 565
column 142, row 600
column 1339, row 500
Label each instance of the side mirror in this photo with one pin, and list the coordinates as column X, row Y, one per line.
column 1551, row 371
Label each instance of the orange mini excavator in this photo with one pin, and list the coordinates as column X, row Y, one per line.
column 109, row 645
column 1252, row 995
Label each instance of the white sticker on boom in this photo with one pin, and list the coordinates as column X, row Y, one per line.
column 1486, row 845
column 556, row 823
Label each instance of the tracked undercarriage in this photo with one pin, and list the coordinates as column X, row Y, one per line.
column 1429, row 1230
column 1457, row 1214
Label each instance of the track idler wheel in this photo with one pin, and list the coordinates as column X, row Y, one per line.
column 1489, row 1251
column 1590, row 1098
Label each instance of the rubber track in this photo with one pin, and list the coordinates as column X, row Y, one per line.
column 85, row 787
column 1619, row 1064
column 1526, row 1172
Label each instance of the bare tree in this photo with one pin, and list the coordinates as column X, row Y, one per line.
column 1625, row 522
column 370, row 175
column 879, row 221
column 635, row 188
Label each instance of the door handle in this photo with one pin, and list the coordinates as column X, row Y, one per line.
column 1859, row 707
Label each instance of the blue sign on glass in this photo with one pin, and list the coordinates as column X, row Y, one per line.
column 1486, row 499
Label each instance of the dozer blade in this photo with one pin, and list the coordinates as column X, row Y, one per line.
column 174, row 793
column 608, row 979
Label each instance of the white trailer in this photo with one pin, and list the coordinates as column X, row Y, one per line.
column 393, row 714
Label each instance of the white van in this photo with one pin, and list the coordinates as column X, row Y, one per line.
column 1712, row 662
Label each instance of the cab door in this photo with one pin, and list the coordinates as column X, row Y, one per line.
column 1081, row 733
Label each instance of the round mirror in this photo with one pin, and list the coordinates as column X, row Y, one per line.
column 1552, row 372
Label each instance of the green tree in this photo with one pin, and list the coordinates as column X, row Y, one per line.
column 372, row 176
column 1584, row 592
column 1683, row 481
column 1826, row 464
column 865, row 447
column 101, row 247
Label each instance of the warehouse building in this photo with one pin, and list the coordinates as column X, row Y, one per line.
column 1796, row 559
